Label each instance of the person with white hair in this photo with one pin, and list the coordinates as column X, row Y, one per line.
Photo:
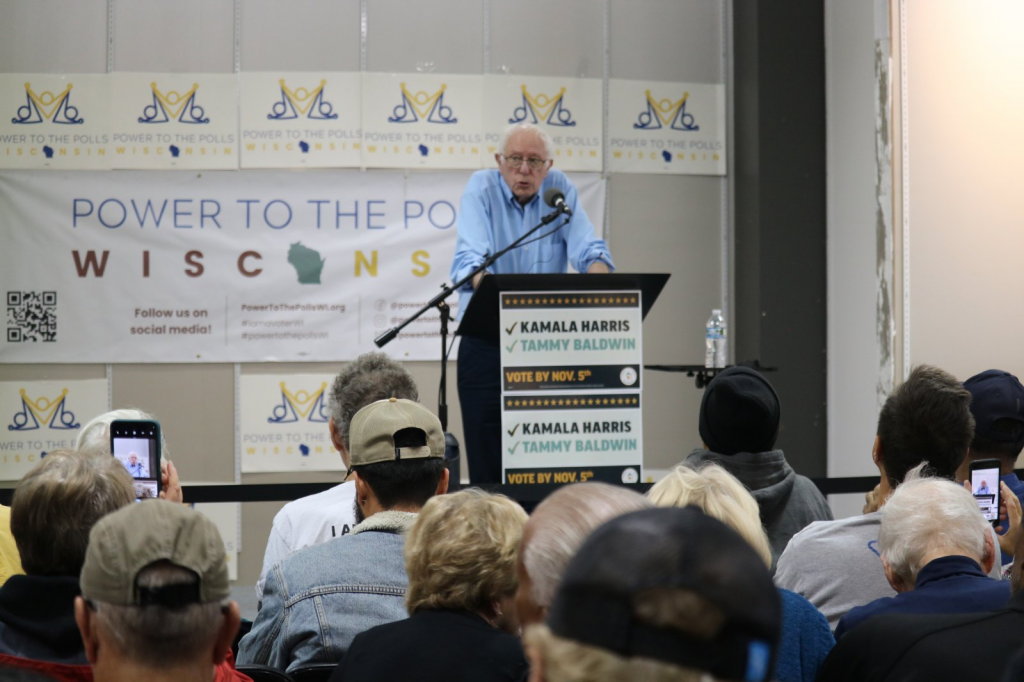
column 95, row 436
column 806, row 637
column 936, row 549
column 499, row 206
column 555, row 530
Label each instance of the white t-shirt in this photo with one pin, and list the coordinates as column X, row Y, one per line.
column 306, row 522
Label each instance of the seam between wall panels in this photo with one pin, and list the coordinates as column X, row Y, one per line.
column 606, row 226
column 724, row 183
column 110, row 36
column 363, row 32
column 487, row 37
column 905, row 182
column 238, row 423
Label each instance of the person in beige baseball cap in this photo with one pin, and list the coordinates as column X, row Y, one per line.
column 319, row 598
column 154, row 597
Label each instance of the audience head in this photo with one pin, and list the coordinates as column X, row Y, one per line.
column 95, row 435
column 57, row 503
column 926, row 419
column 718, row 494
column 154, row 593
column 397, row 456
column 927, row 518
column 660, row 595
column 997, row 404
column 460, row 555
column 367, row 379
column 739, row 413
column 556, row 529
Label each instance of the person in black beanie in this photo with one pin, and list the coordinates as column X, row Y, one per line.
column 739, row 424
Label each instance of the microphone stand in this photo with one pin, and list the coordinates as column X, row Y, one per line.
column 439, row 302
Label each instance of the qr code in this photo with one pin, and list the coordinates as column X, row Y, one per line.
column 31, row 316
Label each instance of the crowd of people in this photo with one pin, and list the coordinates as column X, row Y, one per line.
column 731, row 568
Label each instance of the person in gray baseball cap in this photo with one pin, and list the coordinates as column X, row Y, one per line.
column 318, row 599
column 154, row 602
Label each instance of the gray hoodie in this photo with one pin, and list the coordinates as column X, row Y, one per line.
column 787, row 500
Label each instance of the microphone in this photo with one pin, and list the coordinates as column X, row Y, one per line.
column 554, row 198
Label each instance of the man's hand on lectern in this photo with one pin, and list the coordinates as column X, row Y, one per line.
column 598, row 267
column 479, row 276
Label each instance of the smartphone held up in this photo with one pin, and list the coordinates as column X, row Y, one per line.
column 136, row 444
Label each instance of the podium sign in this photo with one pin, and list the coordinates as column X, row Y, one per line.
column 570, row 364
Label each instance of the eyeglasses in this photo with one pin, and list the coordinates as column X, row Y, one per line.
column 516, row 162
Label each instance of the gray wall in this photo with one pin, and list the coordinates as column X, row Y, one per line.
column 675, row 224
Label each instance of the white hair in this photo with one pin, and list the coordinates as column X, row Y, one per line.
column 544, row 138
column 926, row 514
column 96, row 434
column 561, row 523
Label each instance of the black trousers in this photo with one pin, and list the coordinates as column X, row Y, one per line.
column 479, row 379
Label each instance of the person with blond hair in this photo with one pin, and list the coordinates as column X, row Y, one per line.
column 460, row 556
column 806, row 637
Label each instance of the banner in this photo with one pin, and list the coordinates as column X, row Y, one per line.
column 656, row 127
column 296, row 120
column 570, row 364
column 42, row 416
column 421, row 120
column 283, row 423
column 227, row 266
column 568, row 109
column 175, row 120
column 60, row 122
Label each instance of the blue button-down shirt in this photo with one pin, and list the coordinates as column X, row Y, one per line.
column 491, row 218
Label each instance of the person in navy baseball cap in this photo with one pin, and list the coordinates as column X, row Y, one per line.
column 997, row 404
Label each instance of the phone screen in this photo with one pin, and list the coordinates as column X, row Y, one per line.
column 136, row 444
column 985, row 486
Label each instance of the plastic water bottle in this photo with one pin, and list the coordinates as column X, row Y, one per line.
column 714, row 340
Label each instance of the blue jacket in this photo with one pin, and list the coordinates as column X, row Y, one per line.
column 949, row 584
column 318, row 599
column 805, row 642
column 1016, row 486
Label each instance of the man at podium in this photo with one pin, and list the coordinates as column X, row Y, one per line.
column 499, row 206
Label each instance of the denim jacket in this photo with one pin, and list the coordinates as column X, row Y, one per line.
column 319, row 598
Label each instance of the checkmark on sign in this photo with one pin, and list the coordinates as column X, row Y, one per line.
column 514, row 429
column 511, row 329
column 512, row 347
column 512, row 450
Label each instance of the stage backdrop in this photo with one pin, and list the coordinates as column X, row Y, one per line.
column 227, row 266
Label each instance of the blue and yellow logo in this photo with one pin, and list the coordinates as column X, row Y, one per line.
column 43, row 411
column 173, row 106
column 543, row 108
column 301, row 405
column 665, row 112
column 46, row 106
column 422, row 106
column 302, row 102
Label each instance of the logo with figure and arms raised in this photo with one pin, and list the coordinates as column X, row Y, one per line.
column 46, row 106
column 666, row 113
column 43, row 411
column 300, row 405
column 541, row 108
column 302, row 102
column 173, row 106
column 422, row 106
